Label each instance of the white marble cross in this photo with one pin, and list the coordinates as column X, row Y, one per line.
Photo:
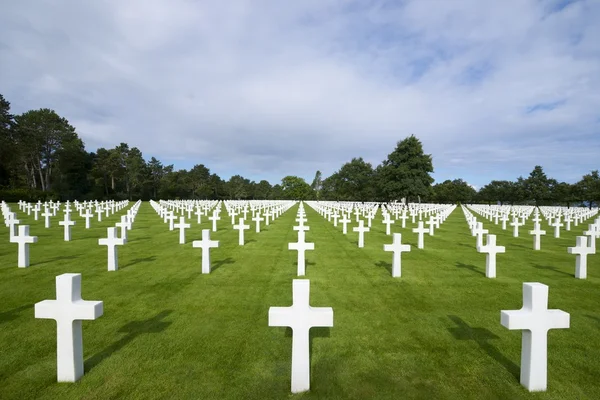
column 515, row 224
column 67, row 223
column 205, row 244
column 345, row 221
column 557, row 224
column 240, row 227
column 215, row 217
column 182, row 226
column 301, row 317
column 361, row 229
column 170, row 217
column 582, row 250
column 593, row 233
column 431, row 224
column 123, row 226
column 68, row 310
column 421, row 230
column 537, row 232
column 301, row 246
column 490, row 249
column 46, row 214
column 535, row 320
column 398, row 248
column 23, row 240
column 257, row 218
column 403, row 217
column 479, row 232
column 12, row 222
column 387, row 221
column 112, row 241
column 88, row 214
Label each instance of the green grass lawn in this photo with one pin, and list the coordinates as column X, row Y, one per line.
column 170, row 332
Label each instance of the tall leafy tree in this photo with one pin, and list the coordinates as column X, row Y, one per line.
column 296, row 188
column 355, row 180
column 537, row 186
column 6, row 142
column 454, row 191
column 317, row 183
column 589, row 186
column 39, row 137
column 406, row 172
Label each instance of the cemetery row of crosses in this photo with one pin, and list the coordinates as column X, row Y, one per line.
column 534, row 319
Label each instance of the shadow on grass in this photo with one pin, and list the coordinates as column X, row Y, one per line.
column 218, row 264
column 550, row 268
column 386, row 265
column 250, row 241
column 482, row 336
column 138, row 239
column 597, row 319
column 313, row 333
column 59, row 258
column 139, row 261
column 132, row 330
column 13, row 314
column 470, row 267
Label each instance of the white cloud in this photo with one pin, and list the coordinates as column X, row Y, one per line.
column 268, row 88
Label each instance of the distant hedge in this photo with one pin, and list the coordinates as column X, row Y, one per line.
column 30, row 195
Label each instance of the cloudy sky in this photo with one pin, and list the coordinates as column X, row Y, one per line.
column 272, row 88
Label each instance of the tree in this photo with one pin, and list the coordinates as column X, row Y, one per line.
column 296, row 188
column 238, row 187
column 455, row 191
column 589, row 186
column 6, row 142
column 262, row 190
column 537, row 186
column 354, row 181
column 200, row 181
column 39, row 136
column 155, row 175
column 406, row 172
column 317, row 184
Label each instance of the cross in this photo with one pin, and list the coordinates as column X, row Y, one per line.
column 593, row 233
column 67, row 223
column 537, row 232
column 182, row 226
column 361, row 229
column 99, row 213
column 170, row 217
column 535, row 320
column 345, row 220
column 123, row 225
column 301, row 246
column 46, row 214
column 257, row 218
column 68, row 310
column 240, row 227
column 557, row 224
column 515, row 224
column 387, row 221
column 490, row 259
column 267, row 216
column 23, row 240
column 397, row 247
column 112, row 241
column 301, row 317
column 199, row 215
column 233, row 215
column 36, row 210
column 479, row 231
column 205, row 244
column 403, row 217
column 431, row 224
column 12, row 222
column 421, row 230
column 88, row 214
column 568, row 220
column 504, row 220
column 215, row 217
column 581, row 250
column 335, row 216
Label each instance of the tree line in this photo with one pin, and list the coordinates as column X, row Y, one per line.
column 42, row 157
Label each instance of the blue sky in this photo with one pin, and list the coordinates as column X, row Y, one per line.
column 273, row 88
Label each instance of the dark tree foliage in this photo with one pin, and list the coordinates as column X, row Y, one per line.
column 43, row 157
